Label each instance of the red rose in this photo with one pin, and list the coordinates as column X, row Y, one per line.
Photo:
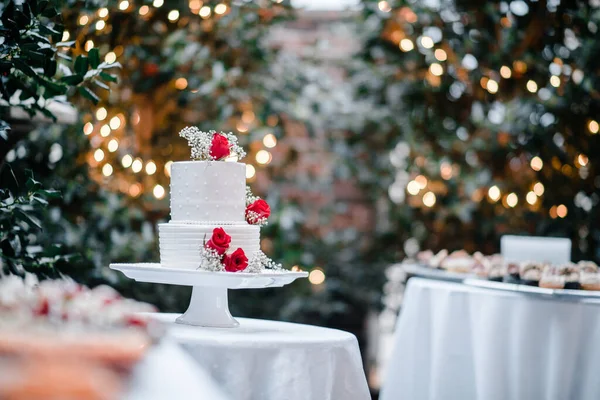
column 258, row 210
column 219, row 147
column 235, row 262
column 219, row 241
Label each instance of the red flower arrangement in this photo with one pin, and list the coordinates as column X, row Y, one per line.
column 215, row 257
column 257, row 212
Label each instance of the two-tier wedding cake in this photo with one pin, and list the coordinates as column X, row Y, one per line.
column 215, row 219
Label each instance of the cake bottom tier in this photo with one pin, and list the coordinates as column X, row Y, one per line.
column 180, row 244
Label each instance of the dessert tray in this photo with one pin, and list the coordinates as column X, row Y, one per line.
column 422, row 271
column 208, row 305
column 534, row 290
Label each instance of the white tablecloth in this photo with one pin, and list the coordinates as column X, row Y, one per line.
column 168, row 372
column 268, row 360
column 458, row 342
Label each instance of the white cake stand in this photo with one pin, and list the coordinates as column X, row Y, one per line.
column 208, row 305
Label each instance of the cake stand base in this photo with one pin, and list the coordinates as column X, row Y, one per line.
column 208, row 307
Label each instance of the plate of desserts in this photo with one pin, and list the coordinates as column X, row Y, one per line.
column 580, row 279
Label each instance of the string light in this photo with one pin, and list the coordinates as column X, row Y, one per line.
column 168, row 165
column 103, row 12
column 446, row 171
column 205, row 12
column 158, row 3
column 113, row 145
column 422, row 181
column 505, row 72
column 553, row 213
column 316, row 276
column 429, row 199
column 538, row 189
column 173, row 15
column 83, row 20
column 105, row 131
column 241, row 127
column 88, row 128
column 250, row 171
column 384, row 6
column 555, row 81
column 561, row 211
column 110, row 57
column 126, row 161
column 150, row 168
column 89, row 45
column 536, row 163
column 413, row 187
column 494, row 193
column 66, row 35
column 582, row 159
column 136, row 166
column 296, row 268
column 135, row 190
column 512, row 199
column 263, row 157
column 532, row 86
column 426, row 42
column 158, row 192
column 440, row 55
column 100, row 25
column 270, row 140
column 195, row 6
column 99, row 155
column 248, row 116
column 220, row 9
column 144, row 10
column 593, row 126
column 436, row 69
column 135, row 118
column 531, row 198
column 124, row 5
column 406, row 45
column 492, row 86
column 181, row 83
column 115, row 122
column 101, row 114
column 107, row 170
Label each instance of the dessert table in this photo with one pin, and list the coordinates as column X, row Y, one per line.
column 455, row 341
column 269, row 360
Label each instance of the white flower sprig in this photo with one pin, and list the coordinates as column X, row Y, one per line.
column 210, row 260
column 200, row 143
column 250, row 197
column 253, row 217
column 260, row 262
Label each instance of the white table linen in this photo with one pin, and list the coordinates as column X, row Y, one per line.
column 269, row 360
column 168, row 372
column 458, row 342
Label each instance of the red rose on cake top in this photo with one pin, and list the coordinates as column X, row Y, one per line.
column 219, row 241
column 220, row 147
column 257, row 212
column 235, row 262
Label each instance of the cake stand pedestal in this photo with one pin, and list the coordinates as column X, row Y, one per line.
column 208, row 305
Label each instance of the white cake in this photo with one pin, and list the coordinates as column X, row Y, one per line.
column 206, row 195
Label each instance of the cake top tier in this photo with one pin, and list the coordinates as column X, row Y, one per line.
column 212, row 145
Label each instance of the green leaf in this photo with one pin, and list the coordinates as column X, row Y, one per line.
column 47, row 30
column 28, row 218
column 94, row 56
column 81, row 65
column 50, row 12
column 22, row 66
column 106, row 65
column 51, row 194
column 108, row 77
column 72, row 80
column 32, row 184
column 50, row 68
column 88, row 94
column 64, row 56
column 101, row 84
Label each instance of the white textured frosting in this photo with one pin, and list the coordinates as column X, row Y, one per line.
column 208, row 191
column 180, row 243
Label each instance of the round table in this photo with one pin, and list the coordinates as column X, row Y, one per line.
column 269, row 360
column 454, row 341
